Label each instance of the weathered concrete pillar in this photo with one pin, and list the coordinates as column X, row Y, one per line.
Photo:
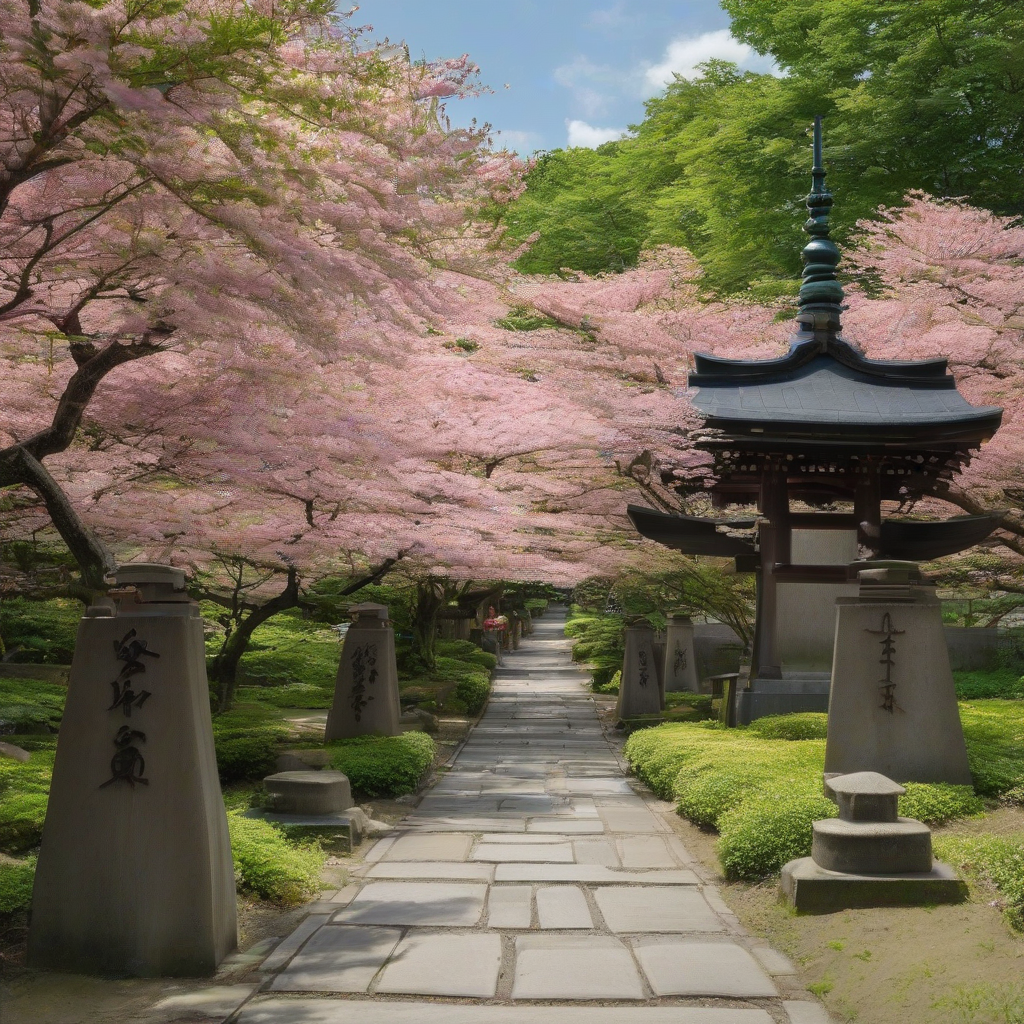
column 680, row 661
column 366, row 691
column 639, row 690
column 892, row 708
column 135, row 875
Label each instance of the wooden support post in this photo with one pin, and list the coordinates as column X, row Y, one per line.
column 776, row 537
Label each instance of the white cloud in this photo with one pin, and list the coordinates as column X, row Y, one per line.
column 682, row 56
column 587, row 136
column 520, row 142
column 589, row 84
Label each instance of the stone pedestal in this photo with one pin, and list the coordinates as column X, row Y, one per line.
column 868, row 856
column 639, row 690
column 680, row 660
column 308, row 792
column 366, row 691
column 893, row 704
column 135, row 875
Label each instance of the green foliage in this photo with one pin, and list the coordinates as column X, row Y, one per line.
column 466, row 650
column 523, row 318
column 807, row 725
column 994, row 731
column 536, row 605
column 996, row 859
column 246, row 740
column 383, row 766
column 600, row 640
column 1006, row 683
column 39, row 632
column 915, row 96
column 296, row 695
column 268, row 865
column 16, row 878
column 759, row 835
column 471, row 695
column 612, row 686
column 462, row 345
column 24, row 788
column 938, row 802
column 30, row 705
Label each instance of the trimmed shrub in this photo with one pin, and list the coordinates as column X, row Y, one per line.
column 270, row 866
column 287, row 650
column 383, row 766
column 599, row 641
column 246, row 740
column 1006, row 683
column 805, row 725
column 295, row 695
column 466, row 651
column 16, row 878
column 612, row 686
column 938, row 802
column 758, row 836
column 995, row 859
column 472, row 694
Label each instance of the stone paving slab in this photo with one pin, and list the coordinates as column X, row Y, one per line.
column 327, row 1011
column 702, row 969
column 437, row 869
column 656, row 909
column 805, row 1012
column 574, row 967
column 430, row 848
column 432, row 964
column 416, row 903
column 523, row 852
column 214, row 1001
column 596, row 874
column 567, row 827
column 288, row 946
column 563, row 906
column 338, row 959
column 510, row 906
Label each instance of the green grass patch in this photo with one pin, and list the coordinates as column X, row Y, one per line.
column 39, row 632
column 293, row 695
column 30, row 705
column 269, row 865
column 16, row 877
column 995, row 859
column 1005, row 683
column 994, row 731
column 523, row 318
column 383, row 766
column 938, row 802
column 24, row 789
column 288, row 650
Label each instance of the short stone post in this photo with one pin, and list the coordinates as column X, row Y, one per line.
column 366, row 692
column 680, row 662
column 639, row 692
column 135, row 875
column 893, row 705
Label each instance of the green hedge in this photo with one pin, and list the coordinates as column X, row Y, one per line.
column 467, row 651
column 269, row 865
column 287, row 650
column 470, row 696
column 996, row 859
column 1006, row 683
column 246, row 740
column 807, row 725
column 16, row 878
column 600, row 640
column 383, row 766
column 759, row 792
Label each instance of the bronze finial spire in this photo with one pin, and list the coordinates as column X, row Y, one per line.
column 821, row 294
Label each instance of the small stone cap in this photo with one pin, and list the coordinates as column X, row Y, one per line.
column 639, row 622
column 864, row 783
column 865, row 797
column 312, row 777
column 368, row 610
column 890, row 572
column 152, row 582
column 680, row 619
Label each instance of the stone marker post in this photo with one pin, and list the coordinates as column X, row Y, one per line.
column 892, row 708
column 135, row 875
column 639, row 690
column 680, row 662
column 366, row 691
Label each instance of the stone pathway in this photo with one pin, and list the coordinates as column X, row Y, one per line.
column 534, row 873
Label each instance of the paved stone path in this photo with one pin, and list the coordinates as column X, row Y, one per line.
column 534, row 873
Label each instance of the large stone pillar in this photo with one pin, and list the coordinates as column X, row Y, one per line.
column 366, row 691
column 135, row 874
column 680, row 661
column 639, row 690
column 892, row 708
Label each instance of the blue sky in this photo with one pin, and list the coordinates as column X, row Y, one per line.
column 577, row 71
